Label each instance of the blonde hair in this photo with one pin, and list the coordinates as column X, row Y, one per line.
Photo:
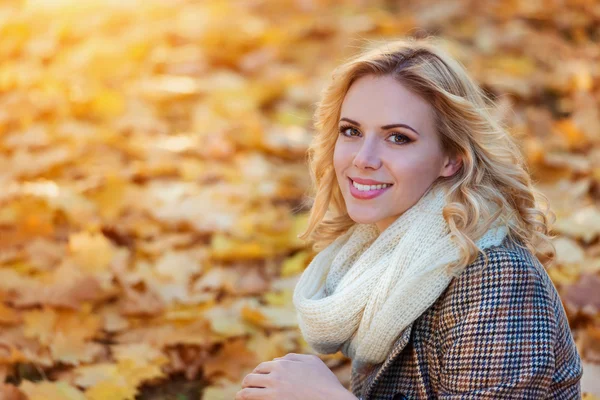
column 493, row 169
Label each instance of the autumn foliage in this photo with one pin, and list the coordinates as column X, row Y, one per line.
column 152, row 161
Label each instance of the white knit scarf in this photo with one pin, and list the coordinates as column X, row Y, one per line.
column 360, row 293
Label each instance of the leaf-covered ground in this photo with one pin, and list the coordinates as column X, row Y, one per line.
column 153, row 173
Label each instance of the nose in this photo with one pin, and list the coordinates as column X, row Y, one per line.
column 367, row 156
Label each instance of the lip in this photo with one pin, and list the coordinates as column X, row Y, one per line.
column 367, row 181
column 369, row 194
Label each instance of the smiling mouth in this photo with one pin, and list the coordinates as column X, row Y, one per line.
column 352, row 183
column 366, row 194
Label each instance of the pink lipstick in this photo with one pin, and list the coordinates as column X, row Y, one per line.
column 365, row 195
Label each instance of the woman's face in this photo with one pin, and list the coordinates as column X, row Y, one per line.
column 407, row 157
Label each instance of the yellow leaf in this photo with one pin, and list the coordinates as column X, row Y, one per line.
column 46, row 390
column 135, row 374
column 141, row 353
column 65, row 332
column 118, row 381
column 189, row 313
column 111, row 196
column 74, row 351
column 252, row 315
column 222, row 391
column 277, row 344
column 232, row 359
column 91, row 375
column 279, row 298
column 574, row 137
column 112, row 320
column 39, row 324
column 226, row 322
column 92, row 251
column 564, row 274
column 224, row 248
column 107, row 103
column 116, row 389
column 295, row 264
column 279, row 317
column 178, row 266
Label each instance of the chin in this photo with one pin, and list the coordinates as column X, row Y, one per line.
column 361, row 218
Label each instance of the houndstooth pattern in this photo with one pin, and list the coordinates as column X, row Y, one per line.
column 499, row 332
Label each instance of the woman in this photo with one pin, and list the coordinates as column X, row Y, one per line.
column 425, row 220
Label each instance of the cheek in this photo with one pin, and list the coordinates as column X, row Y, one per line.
column 340, row 159
column 416, row 167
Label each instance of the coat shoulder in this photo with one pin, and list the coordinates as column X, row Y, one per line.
column 503, row 264
column 510, row 310
column 510, row 275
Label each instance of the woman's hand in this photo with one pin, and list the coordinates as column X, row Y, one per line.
column 292, row 377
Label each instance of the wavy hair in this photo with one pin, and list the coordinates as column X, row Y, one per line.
column 493, row 168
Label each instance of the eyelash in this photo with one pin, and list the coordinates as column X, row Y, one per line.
column 406, row 138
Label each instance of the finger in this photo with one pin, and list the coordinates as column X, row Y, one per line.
column 295, row 357
column 264, row 367
column 252, row 394
column 255, row 380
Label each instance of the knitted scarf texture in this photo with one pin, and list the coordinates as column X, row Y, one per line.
column 358, row 294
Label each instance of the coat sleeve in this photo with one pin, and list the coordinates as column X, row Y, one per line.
column 498, row 333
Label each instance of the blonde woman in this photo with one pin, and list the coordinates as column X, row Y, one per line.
column 425, row 222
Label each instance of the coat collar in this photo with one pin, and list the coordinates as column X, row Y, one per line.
column 362, row 381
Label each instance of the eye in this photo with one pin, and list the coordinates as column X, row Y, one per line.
column 404, row 138
column 344, row 128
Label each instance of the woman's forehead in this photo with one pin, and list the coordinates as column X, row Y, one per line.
column 378, row 101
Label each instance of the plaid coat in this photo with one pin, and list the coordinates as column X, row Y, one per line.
column 499, row 332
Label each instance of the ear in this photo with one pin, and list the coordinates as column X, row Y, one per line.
column 451, row 165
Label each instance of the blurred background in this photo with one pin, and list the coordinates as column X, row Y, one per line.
column 153, row 175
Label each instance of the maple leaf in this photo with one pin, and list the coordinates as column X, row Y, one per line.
column 116, row 388
column 141, row 353
column 68, row 350
column 120, row 381
column 93, row 252
column 231, row 360
column 66, row 286
column 277, row 344
column 112, row 320
column 220, row 390
column 136, row 303
column 46, row 390
column 295, row 264
column 227, row 320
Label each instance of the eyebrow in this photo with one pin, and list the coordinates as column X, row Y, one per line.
column 384, row 126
